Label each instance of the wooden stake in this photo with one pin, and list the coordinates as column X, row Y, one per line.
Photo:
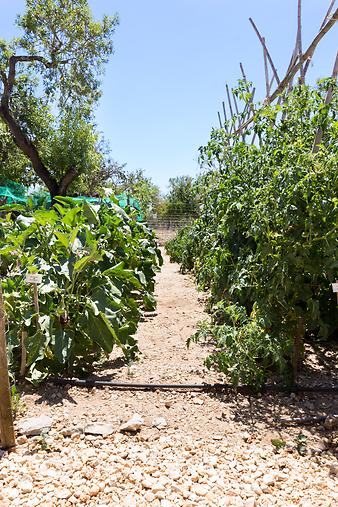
column 6, row 417
column 23, row 354
column 266, row 69
column 225, row 118
column 220, row 121
column 327, row 14
column 328, row 98
column 321, row 27
column 262, row 41
column 299, row 41
column 229, row 101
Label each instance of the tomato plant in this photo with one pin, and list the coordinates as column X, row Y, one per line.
column 266, row 242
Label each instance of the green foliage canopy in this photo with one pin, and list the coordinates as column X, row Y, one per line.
column 50, row 83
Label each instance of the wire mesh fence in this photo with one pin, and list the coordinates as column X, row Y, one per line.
column 166, row 228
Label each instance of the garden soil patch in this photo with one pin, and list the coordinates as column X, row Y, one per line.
column 193, row 449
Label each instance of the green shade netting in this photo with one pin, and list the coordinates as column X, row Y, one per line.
column 12, row 193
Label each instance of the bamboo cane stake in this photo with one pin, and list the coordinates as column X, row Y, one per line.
column 262, row 41
column 23, row 354
column 306, row 56
column 327, row 14
column 328, row 98
column 229, row 101
column 266, row 70
column 219, row 119
column 307, row 64
column 6, row 417
column 299, row 40
column 225, row 118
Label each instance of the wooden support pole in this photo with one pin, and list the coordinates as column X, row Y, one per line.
column 229, row 101
column 23, row 354
column 325, row 20
column 7, row 436
column 299, row 41
column 219, row 119
column 328, row 98
column 262, row 41
column 266, row 70
column 306, row 57
column 225, row 118
column 327, row 14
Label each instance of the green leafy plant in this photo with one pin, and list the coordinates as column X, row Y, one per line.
column 98, row 266
column 265, row 243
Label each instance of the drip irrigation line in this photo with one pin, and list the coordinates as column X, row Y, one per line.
column 129, row 386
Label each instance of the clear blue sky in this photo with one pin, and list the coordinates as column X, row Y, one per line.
column 166, row 81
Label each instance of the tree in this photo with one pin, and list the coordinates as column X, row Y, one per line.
column 49, row 87
column 142, row 188
column 182, row 198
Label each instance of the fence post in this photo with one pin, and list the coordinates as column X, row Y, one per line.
column 7, row 436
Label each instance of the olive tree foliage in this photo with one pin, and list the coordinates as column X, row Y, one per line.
column 49, row 86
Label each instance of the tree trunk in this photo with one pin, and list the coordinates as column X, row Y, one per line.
column 29, row 149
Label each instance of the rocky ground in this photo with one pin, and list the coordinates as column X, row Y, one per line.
column 191, row 448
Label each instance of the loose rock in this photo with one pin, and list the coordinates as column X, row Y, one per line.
column 99, row 429
column 35, row 425
column 134, row 424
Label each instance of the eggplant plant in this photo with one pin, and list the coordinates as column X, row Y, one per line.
column 98, row 266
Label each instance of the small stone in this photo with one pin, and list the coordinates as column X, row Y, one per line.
column 198, row 401
column 21, row 440
column 134, row 424
column 168, row 404
column 147, row 484
column 26, row 487
column 199, row 490
column 333, row 469
column 159, row 423
column 149, row 496
column 63, row 494
column 94, row 490
column 331, row 422
column 68, row 432
column 250, row 502
column 268, row 479
column 102, row 429
column 35, row 425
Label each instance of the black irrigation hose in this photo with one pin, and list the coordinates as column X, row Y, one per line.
column 192, row 387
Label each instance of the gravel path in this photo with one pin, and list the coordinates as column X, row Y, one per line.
column 193, row 449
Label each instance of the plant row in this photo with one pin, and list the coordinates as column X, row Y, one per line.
column 98, row 265
column 266, row 242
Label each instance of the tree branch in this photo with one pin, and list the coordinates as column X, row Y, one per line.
column 13, row 60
